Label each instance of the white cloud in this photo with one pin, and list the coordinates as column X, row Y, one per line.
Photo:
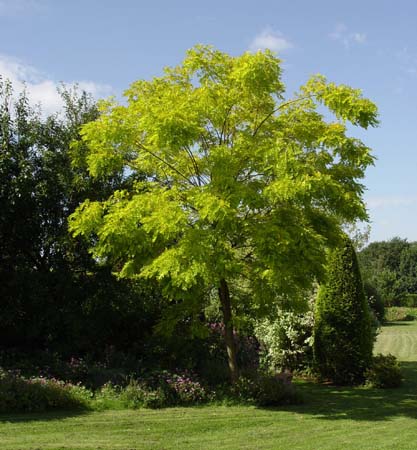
column 270, row 39
column 341, row 33
column 42, row 89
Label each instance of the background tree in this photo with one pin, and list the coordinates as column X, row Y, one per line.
column 343, row 338
column 240, row 187
column 53, row 294
column 391, row 268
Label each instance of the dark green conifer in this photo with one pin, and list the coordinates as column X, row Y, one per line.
column 343, row 338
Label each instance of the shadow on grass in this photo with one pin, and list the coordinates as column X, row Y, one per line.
column 41, row 416
column 321, row 402
column 360, row 403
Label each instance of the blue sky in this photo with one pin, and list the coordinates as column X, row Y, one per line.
column 105, row 45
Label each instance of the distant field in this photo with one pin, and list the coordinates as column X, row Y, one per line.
column 331, row 419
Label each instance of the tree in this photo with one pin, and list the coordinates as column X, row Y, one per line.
column 342, row 332
column 53, row 294
column 391, row 267
column 240, row 187
column 37, row 194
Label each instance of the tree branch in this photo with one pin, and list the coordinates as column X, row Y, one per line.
column 194, row 163
column 165, row 162
column 282, row 105
column 222, row 134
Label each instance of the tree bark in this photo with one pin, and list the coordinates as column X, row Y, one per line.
column 224, row 296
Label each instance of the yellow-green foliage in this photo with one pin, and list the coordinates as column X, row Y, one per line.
column 236, row 180
column 343, row 337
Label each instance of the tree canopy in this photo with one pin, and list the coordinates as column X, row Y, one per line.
column 54, row 296
column 235, row 183
column 391, row 267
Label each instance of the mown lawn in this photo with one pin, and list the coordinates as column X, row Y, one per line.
column 331, row 418
column 400, row 339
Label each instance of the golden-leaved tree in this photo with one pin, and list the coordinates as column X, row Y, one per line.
column 236, row 184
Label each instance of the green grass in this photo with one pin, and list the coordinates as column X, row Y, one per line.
column 399, row 339
column 332, row 418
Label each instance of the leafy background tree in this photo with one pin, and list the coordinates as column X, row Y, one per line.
column 239, row 188
column 343, row 338
column 391, row 268
column 54, row 296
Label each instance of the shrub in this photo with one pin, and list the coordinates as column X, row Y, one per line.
column 409, row 300
column 75, row 370
column 343, row 336
column 108, row 397
column 287, row 341
column 375, row 301
column 163, row 388
column 20, row 394
column 156, row 398
column 266, row 390
column 399, row 314
column 186, row 390
column 138, row 395
column 384, row 372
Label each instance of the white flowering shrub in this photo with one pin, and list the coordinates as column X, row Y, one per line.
column 286, row 341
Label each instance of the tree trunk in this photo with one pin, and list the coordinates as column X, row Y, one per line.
column 224, row 296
